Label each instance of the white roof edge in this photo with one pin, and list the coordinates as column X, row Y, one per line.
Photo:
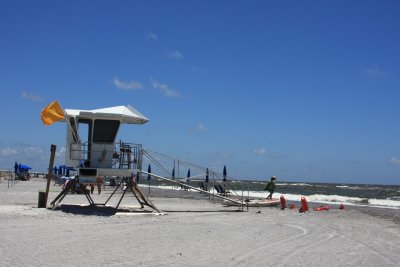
column 126, row 114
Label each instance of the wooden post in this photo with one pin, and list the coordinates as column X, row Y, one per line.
column 50, row 174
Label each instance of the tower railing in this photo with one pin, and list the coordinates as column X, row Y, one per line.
column 122, row 156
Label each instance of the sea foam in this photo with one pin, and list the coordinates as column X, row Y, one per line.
column 327, row 199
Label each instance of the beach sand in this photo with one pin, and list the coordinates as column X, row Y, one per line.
column 196, row 231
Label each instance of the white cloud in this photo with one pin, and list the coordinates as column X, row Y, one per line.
column 201, row 127
column 31, row 152
column 151, row 36
column 31, row 96
column 374, row 71
column 36, row 157
column 132, row 85
column 395, row 161
column 174, row 54
column 260, row 151
column 6, row 152
column 164, row 88
column 61, row 152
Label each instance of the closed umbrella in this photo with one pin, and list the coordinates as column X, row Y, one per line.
column 15, row 167
column 188, row 176
column 137, row 177
column 149, row 171
column 149, row 176
column 207, row 176
column 62, row 168
column 224, row 174
column 68, row 170
column 173, row 176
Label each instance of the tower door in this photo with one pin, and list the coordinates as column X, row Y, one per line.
column 85, row 134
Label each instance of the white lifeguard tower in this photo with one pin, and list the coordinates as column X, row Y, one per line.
column 91, row 148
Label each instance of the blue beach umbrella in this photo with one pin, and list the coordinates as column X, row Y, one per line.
column 68, row 170
column 207, row 175
column 149, row 171
column 224, row 174
column 15, row 167
column 149, row 176
column 173, row 174
column 188, row 176
column 25, row 167
column 63, row 169
column 55, row 170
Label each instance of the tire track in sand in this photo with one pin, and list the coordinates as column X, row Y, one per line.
column 246, row 257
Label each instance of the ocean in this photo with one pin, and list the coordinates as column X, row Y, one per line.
column 365, row 195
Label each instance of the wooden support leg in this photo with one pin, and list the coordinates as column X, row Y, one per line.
column 145, row 200
column 70, row 185
column 136, row 196
column 123, row 194
column 115, row 190
column 87, row 194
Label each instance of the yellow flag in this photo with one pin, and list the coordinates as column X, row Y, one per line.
column 52, row 113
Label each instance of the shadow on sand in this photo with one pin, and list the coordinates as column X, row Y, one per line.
column 98, row 210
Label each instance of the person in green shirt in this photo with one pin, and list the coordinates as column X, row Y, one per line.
column 270, row 187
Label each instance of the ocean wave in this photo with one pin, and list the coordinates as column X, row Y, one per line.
column 332, row 199
column 300, row 184
column 384, row 202
column 327, row 198
column 315, row 198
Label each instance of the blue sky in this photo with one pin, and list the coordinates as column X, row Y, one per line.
column 303, row 90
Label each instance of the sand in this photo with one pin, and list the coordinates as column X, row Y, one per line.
column 196, row 231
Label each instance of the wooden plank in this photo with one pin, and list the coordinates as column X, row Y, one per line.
column 50, row 173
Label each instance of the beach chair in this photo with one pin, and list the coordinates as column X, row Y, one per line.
column 201, row 185
column 224, row 191
column 218, row 189
column 183, row 187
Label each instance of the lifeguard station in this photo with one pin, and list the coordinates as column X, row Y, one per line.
column 91, row 148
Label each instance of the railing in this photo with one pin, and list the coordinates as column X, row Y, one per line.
column 119, row 155
column 164, row 165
